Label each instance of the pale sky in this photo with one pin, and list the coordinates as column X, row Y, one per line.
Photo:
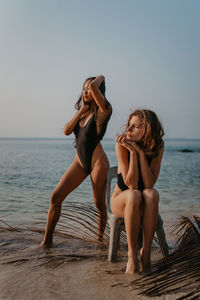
column 148, row 51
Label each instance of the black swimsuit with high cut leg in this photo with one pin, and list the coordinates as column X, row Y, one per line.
column 120, row 181
column 87, row 138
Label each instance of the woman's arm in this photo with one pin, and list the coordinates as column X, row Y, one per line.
column 69, row 127
column 149, row 173
column 96, row 93
column 128, row 168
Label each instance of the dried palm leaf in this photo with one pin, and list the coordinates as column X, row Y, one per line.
column 80, row 220
column 180, row 271
column 11, row 227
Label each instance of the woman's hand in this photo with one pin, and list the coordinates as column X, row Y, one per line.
column 97, row 81
column 69, row 127
column 121, row 139
column 129, row 145
column 135, row 146
column 84, row 106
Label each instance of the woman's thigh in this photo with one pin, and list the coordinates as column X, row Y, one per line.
column 98, row 177
column 118, row 202
column 70, row 180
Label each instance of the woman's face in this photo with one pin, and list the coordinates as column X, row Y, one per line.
column 87, row 96
column 134, row 129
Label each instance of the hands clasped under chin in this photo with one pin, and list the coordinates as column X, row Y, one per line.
column 128, row 144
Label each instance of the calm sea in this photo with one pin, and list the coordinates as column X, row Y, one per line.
column 30, row 169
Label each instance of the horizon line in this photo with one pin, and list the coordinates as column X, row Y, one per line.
column 72, row 138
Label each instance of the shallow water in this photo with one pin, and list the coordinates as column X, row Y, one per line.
column 31, row 168
column 71, row 269
column 74, row 268
column 65, row 271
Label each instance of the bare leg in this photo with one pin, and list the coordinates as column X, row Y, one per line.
column 150, row 217
column 98, row 179
column 68, row 182
column 127, row 204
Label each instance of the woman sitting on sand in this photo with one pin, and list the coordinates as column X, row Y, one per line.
column 89, row 126
column 139, row 152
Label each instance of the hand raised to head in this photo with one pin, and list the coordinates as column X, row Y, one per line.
column 84, row 106
column 98, row 80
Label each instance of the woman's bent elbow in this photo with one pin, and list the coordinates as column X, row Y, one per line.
column 132, row 186
column 67, row 132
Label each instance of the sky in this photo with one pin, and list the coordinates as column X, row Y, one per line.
column 148, row 51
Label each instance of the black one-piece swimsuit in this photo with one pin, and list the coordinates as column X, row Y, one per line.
column 121, row 184
column 87, row 138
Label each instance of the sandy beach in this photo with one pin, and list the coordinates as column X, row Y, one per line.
column 71, row 269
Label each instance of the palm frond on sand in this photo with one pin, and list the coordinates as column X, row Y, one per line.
column 10, row 227
column 80, row 221
column 180, row 271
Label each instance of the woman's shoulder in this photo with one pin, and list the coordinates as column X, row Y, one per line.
column 157, row 154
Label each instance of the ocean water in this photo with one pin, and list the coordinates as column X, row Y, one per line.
column 75, row 268
column 31, row 168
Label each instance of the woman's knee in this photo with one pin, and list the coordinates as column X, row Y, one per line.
column 56, row 199
column 100, row 203
column 103, row 169
column 151, row 195
column 134, row 198
column 105, row 164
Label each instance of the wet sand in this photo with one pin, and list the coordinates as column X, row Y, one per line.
column 71, row 269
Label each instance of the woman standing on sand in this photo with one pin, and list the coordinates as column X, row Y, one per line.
column 139, row 152
column 89, row 126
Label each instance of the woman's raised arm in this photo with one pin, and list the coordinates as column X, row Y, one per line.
column 96, row 93
column 150, row 173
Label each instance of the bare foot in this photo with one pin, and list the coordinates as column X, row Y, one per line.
column 145, row 263
column 46, row 244
column 132, row 266
column 145, row 268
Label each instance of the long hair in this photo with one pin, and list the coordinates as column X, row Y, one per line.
column 152, row 131
column 102, row 89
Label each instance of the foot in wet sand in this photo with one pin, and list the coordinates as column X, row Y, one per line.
column 132, row 266
column 145, row 267
column 46, row 244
